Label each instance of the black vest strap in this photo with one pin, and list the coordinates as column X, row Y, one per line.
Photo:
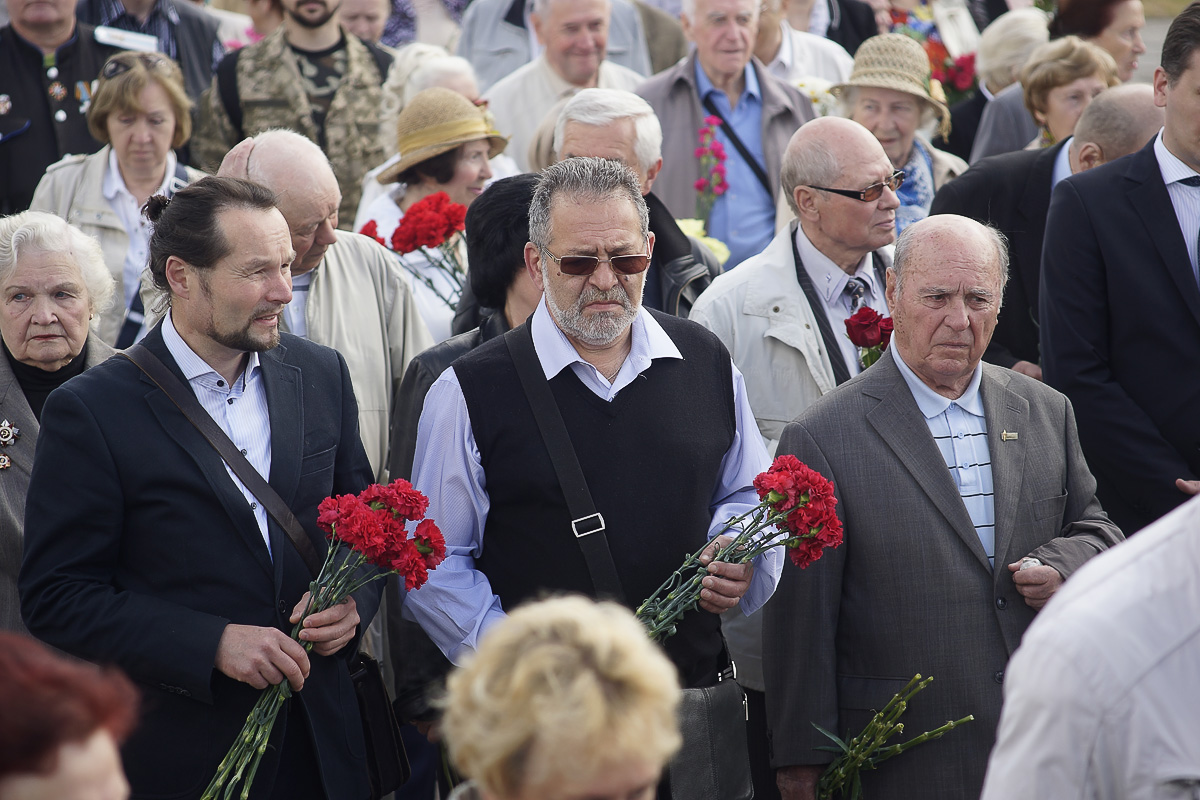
column 743, row 151
column 841, row 373
column 587, row 524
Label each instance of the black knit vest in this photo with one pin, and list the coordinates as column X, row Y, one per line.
column 652, row 458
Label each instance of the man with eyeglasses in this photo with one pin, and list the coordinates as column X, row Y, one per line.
column 760, row 112
column 782, row 315
column 653, row 408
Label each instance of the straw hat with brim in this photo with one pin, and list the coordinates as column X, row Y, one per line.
column 436, row 121
column 895, row 61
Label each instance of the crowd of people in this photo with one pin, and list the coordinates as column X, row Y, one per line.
column 660, row 222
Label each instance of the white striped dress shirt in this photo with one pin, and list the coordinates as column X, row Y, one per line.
column 959, row 429
column 1185, row 199
column 240, row 410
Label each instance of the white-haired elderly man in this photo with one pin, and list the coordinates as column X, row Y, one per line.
column 782, row 316
column 574, row 35
column 760, row 113
column 607, row 123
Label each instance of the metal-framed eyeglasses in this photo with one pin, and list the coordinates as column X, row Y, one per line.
column 586, row 265
column 872, row 192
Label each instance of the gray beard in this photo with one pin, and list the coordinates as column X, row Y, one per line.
column 596, row 330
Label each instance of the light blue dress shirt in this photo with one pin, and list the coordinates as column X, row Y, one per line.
column 241, row 410
column 959, row 429
column 457, row 605
column 744, row 217
column 1184, row 199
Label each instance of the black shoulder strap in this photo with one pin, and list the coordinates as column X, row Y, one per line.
column 182, row 397
column 841, row 373
column 227, row 87
column 750, row 160
column 383, row 60
column 587, row 523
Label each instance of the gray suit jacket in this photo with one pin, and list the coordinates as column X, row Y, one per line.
column 910, row 590
column 14, row 481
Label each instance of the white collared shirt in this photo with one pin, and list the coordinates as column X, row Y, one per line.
column 457, row 605
column 240, row 410
column 830, row 282
column 137, row 227
column 959, row 428
column 1062, row 164
column 294, row 313
column 1185, row 199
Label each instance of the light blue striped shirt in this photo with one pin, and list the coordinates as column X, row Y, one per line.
column 1185, row 199
column 959, row 429
column 457, row 605
column 240, row 410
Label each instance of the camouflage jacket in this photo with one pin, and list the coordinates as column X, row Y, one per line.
column 270, row 93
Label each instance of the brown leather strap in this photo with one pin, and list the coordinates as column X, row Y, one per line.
column 186, row 401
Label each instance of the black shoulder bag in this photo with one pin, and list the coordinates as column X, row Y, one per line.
column 714, row 762
column 387, row 763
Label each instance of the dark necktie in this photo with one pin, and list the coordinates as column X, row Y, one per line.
column 1194, row 181
column 841, row 373
column 855, row 289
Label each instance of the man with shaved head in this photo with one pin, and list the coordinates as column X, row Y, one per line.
column 1012, row 192
column 966, row 503
column 347, row 292
column 782, row 314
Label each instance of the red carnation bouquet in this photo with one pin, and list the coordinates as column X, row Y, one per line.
column 430, row 227
column 368, row 528
column 795, row 510
column 870, row 332
column 712, row 183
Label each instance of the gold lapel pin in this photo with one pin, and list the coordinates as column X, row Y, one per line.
column 8, row 433
column 1006, row 436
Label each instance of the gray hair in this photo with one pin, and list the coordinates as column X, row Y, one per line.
column 39, row 232
column 814, row 164
column 1119, row 120
column 588, row 179
column 909, row 240
column 540, row 7
column 1006, row 44
column 436, row 70
column 603, row 106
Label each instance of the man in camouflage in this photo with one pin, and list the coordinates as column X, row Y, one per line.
column 310, row 76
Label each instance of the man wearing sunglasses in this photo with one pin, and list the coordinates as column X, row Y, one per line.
column 653, row 408
column 782, row 315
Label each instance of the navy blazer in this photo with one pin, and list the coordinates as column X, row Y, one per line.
column 1011, row 191
column 140, row 549
column 1120, row 326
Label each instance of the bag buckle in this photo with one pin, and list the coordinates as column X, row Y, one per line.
column 592, row 523
column 729, row 673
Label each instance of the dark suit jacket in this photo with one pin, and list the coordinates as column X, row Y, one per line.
column 1120, row 315
column 140, row 549
column 910, row 589
column 1012, row 192
column 964, row 122
column 851, row 22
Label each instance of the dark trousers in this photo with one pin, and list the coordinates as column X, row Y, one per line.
column 760, row 748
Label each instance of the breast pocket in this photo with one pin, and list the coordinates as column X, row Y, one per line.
column 1050, row 508
column 318, row 462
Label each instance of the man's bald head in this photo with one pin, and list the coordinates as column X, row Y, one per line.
column 298, row 172
column 1119, row 121
column 821, row 150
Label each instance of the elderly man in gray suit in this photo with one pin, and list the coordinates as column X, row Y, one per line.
column 966, row 503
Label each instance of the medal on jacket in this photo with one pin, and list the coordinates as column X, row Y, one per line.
column 5, row 461
column 5, row 104
column 8, row 433
column 57, row 92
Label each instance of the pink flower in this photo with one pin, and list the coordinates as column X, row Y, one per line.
column 701, row 185
column 718, row 150
column 712, row 120
column 719, row 188
column 701, row 152
column 719, row 169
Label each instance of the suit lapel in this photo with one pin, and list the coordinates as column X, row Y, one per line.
column 185, row 434
column 902, row 427
column 1006, row 412
column 15, row 409
column 1149, row 198
column 286, row 411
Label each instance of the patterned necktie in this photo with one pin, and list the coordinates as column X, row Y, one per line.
column 855, row 289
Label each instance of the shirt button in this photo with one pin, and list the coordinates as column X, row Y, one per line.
column 60, row 116
column 958, row 435
column 283, row 609
column 999, row 677
column 243, row 451
column 254, row 506
column 220, row 383
column 229, row 401
column 1001, row 603
column 52, row 73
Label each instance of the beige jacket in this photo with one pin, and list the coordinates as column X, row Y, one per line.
column 73, row 189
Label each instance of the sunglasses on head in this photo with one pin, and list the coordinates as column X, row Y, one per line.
column 872, row 192
column 586, row 265
column 118, row 65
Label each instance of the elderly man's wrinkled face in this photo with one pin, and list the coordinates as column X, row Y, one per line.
column 575, row 35
column 312, row 218
column 37, row 15
column 724, row 32
column 365, row 18
column 616, row 141
column 597, row 309
column 850, row 225
column 45, row 312
column 945, row 308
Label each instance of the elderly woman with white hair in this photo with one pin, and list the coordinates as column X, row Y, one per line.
column 53, row 282
column 565, row 698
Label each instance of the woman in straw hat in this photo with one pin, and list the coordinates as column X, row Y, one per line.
column 445, row 142
column 889, row 93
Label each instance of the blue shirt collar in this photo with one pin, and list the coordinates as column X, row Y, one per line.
column 556, row 353
column 933, row 404
column 704, row 85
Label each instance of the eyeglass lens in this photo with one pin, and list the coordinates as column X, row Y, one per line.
column 586, row 265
